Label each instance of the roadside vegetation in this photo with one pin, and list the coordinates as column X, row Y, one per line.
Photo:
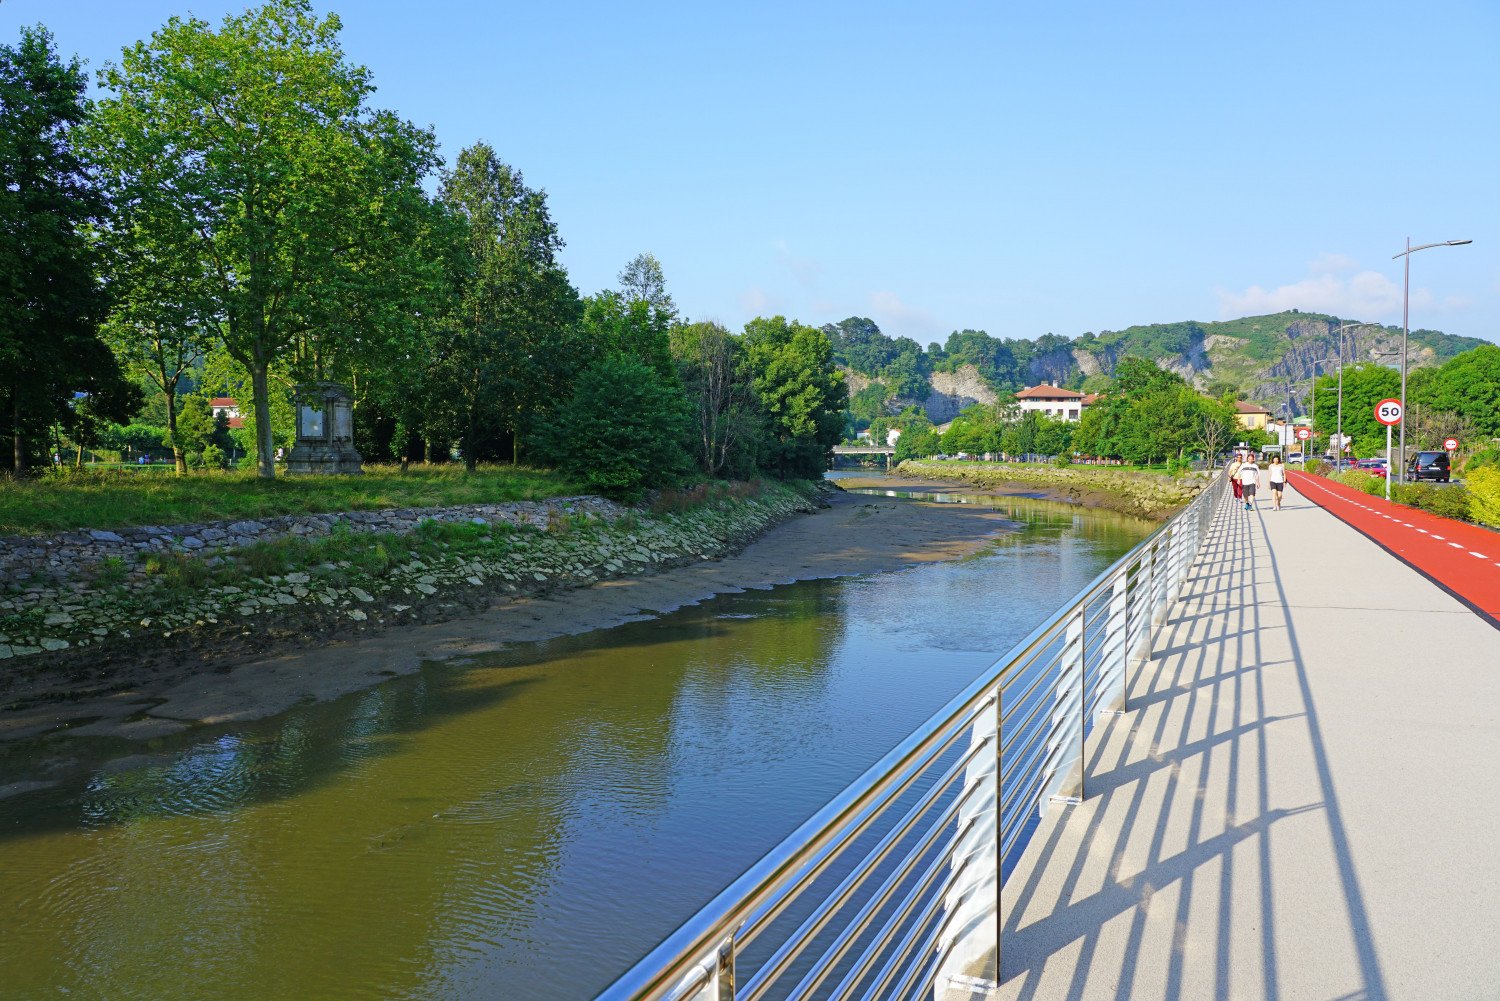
column 1476, row 500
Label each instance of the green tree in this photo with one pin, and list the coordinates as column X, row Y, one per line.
column 623, row 430
column 247, row 159
column 505, row 352
column 1467, row 385
column 917, row 443
column 195, row 428
column 51, row 302
column 1364, row 386
column 801, row 393
column 727, row 423
column 643, row 281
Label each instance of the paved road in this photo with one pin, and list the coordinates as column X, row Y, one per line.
column 1302, row 802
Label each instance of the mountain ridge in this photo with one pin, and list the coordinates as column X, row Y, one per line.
column 1267, row 359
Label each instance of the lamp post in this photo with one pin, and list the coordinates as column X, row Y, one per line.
column 1339, row 458
column 1405, row 325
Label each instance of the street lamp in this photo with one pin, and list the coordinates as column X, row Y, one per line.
column 1405, row 304
column 1339, row 458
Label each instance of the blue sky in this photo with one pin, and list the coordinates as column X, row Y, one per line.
column 1018, row 168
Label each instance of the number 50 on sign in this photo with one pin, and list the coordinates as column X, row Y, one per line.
column 1388, row 412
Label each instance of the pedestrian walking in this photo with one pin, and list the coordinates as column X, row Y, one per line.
column 1233, row 472
column 1249, row 480
column 1276, row 476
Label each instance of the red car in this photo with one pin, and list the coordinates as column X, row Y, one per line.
column 1375, row 467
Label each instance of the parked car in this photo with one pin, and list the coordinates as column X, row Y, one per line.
column 1428, row 466
column 1375, row 467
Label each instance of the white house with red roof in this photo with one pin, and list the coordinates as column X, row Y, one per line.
column 225, row 405
column 1053, row 401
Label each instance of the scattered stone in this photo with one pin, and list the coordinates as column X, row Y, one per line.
column 357, row 615
column 102, row 536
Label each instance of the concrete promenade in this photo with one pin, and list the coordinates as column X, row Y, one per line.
column 1303, row 801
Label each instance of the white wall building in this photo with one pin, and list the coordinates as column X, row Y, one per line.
column 1053, row 401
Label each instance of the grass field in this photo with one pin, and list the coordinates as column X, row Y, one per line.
column 122, row 498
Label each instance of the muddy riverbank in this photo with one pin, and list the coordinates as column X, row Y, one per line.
column 313, row 652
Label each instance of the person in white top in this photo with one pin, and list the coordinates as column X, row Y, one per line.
column 1249, row 480
column 1276, row 474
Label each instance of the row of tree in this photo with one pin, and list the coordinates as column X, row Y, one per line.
column 233, row 215
column 1459, row 399
column 1149, row 415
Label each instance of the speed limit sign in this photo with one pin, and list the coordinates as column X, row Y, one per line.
column 1303, row 434
column 1388, row 412
column 1450, row 444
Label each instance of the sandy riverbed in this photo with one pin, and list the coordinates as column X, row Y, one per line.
column 856, row 534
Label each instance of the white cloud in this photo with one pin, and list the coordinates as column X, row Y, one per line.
column 897, row 319
column 754, row 300
column 1330, row 289
column 1332, row 264
column 804, row 270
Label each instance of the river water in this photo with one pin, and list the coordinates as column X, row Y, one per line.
column 524, row 826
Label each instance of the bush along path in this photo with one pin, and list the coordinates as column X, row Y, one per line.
column 246, row 599
column 1462, row 559
column 1145, row 495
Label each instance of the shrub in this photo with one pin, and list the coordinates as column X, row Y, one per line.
column 1484, row 457
column 1360, row 480
column 1484, row 496
column 1062, row 459
column 624, row 429
column 1446, row 502
column 1317, row 467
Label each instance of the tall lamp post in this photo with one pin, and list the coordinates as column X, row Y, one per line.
column 1339, row 457
column 1405, row 329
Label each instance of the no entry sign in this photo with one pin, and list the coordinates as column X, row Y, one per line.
column 1303, row 434
column 1449, row 444
column 1388, row 412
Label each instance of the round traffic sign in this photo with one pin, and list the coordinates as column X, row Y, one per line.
column 1303, row 434
column 1449, row 444
column 1388, row 412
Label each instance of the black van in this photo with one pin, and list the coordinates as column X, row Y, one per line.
column 1428, row 466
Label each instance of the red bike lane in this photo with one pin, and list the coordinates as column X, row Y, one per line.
column 1462, row 559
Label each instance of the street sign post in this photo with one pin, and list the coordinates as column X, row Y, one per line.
column 1450, row 444
column 1303, row 434
column 1388, row 412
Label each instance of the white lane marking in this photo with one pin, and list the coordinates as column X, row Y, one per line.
column 1480, row 555
column 1455, row 545
column 1439, row 537
column 1422, row 530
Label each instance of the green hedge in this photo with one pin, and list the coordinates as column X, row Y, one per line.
column 1484, row 495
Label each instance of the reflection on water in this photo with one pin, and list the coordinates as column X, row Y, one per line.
column 524, row 827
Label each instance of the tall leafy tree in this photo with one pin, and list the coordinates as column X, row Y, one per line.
column 505, row 351
column 643, row 280
column 801, row 392
column 727, row 423
column 51, row 301
column 247, row 160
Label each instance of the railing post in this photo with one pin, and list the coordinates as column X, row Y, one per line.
column 725, row 977
column 999, row 816
column 1116, row 646
column 1069, row 685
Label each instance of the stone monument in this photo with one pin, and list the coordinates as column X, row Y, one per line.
column 325, row 430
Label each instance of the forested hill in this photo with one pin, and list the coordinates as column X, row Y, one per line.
column 1264, row 359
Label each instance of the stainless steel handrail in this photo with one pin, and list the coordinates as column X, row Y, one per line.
column 1033, row 708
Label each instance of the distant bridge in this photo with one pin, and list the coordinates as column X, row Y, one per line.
column 886, row 450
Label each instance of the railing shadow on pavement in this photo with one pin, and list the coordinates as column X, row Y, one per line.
column 1206, row 664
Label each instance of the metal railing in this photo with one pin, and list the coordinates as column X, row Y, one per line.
column 892, row 890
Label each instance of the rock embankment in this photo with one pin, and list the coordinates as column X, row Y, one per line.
column 137, row 591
